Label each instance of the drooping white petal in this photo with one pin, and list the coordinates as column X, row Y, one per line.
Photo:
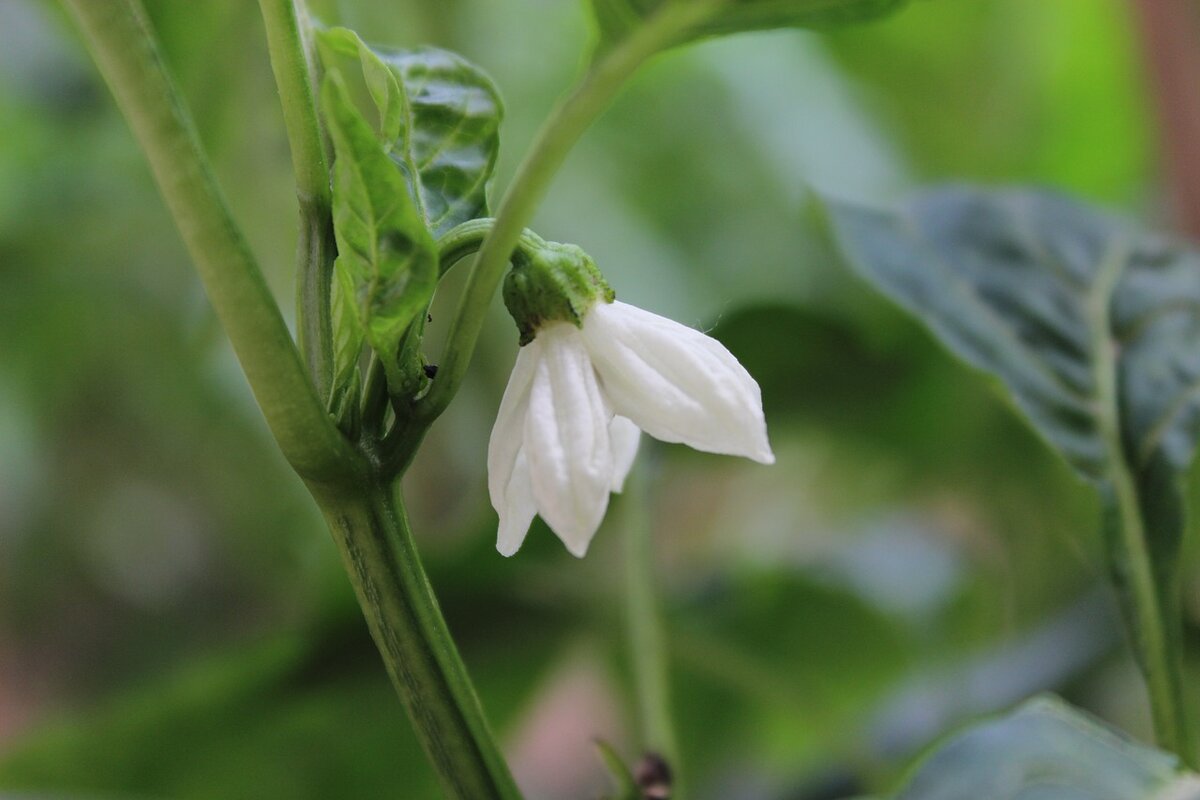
column 518, row 509
column 567, row 438
column 508, row 469
column 625, row 438
column 675, row 383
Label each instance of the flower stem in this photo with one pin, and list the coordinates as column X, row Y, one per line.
column 372, row 532
column 316, row 249
column 127, row 53
column 645, row 629
column 570, row 118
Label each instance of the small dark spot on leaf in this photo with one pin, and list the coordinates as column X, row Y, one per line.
column 431, row 371
column 395, row 242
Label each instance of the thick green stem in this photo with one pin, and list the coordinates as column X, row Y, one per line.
column 372, row 532
column 315, row 253
column 558, row 135
column 126, row 51
column 647, row 637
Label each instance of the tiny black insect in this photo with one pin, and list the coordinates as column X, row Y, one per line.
column 431, row 371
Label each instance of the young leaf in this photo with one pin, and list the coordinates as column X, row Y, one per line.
column 347, row 327
column 439, row 119
column 343, row 52
column 616, row 19
column 386, row 258
column 1094, row 327
column 1047, row 749
column 348, row 338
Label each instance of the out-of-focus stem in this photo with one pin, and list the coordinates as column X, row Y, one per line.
column 127, row 53
column 644, row 625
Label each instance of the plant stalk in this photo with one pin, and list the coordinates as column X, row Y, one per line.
column 372, row 532
column 645, row 629
column 316, row 249
column 127, row 53
column 368, row 525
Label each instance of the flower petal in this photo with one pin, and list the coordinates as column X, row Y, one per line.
column 518, row 509
column 676, row 383
column 508, row 471
column 625, row 438
column 567, row 439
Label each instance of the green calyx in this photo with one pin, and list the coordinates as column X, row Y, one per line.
column 552, row 282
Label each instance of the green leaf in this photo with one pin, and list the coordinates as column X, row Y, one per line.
column 348, row 338
column 438, row 117
column 752, row 688
column 617, row 19
column 343, row 52
column 1046, row 749
column 387, row 260
column 1094, row 328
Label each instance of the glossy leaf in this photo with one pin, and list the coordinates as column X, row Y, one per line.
column 1094, row 328
column 438, row 118
column 1046, row 749
column 386, row 257
column 617, row 19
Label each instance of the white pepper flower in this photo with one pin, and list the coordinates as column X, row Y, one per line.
column 590, row 374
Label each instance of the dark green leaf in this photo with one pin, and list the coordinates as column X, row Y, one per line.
column 1045, row 749
column 1093, row 326
column 387, row 259
column 617, row 19
column 752, row 687
column 438, row 117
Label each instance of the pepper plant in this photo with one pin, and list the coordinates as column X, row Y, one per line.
column 1090, row 324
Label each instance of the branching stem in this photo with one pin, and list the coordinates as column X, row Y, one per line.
column 573, row 115
column 128, row 56
column 316, row 248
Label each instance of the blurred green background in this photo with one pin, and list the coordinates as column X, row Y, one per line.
column 174, row 622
